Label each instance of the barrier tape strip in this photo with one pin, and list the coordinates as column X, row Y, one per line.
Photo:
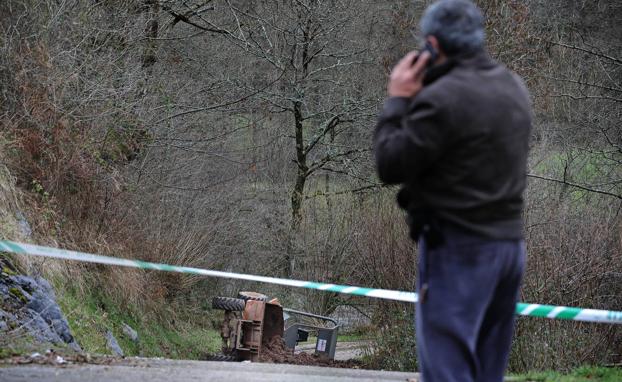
column 524, row 309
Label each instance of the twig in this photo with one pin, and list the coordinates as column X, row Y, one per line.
column 353, row 191
column 585, row 188
column 602, row 55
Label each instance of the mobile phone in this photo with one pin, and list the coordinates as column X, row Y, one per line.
column 430, row 49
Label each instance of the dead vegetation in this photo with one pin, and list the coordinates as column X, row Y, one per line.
column 235, row 136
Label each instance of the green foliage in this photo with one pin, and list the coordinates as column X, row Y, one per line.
column 8, row 271
column 584, row 374
column 38, row 189
column 18, row 293
column 352, row 337
column 394, row 345
column 90, row 315
column 24, row 344
column 582, row 167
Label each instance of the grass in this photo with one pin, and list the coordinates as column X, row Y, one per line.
column 583, row 374
column 20, row 345
column 582, row 167
column 90, row 316
column 346, row 337
column 352, row 337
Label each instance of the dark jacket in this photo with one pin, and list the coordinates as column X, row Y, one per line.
column 459, row 148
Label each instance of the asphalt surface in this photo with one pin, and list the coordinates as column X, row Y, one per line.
column 162, row 370
column 343, row 352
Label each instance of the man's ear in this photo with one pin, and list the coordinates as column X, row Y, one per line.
column 441, row 57
column 434, row 42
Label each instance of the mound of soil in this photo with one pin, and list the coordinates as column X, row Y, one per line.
column 275, row 351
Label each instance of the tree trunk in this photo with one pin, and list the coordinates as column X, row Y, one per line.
column 329, row 204
column 151, row 33
column 301, row 174
column 298, row 191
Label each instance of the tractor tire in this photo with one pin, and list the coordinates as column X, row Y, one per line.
column 252, row 296
column 228, row 303
column 222, row 358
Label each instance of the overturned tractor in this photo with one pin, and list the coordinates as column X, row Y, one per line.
column 251, row 321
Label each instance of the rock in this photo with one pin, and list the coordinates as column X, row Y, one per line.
column 3, row 326
column 20, row 294
column 6, row 316
column 45, row 306
column 45, row 287
column 35, row 355
column 112, row 344
column 27, row 283
column 75, row 346
column 61, row 327
column 44, row 302
column 129, row 332
column 33, row 308
column 40, row 329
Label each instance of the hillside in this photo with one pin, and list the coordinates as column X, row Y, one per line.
column 236, row 136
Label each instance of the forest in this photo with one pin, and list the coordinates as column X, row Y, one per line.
column 237, row 135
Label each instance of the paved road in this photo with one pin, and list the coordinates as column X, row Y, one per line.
column 159, row 370
column 343, row 352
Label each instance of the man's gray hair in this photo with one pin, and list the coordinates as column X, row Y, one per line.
column 457, row 24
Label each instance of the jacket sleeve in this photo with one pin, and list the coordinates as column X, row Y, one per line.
column 409, row 137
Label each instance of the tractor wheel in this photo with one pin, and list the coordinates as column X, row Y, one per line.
column 221, row 358
column 252, row 296
column 228, row 303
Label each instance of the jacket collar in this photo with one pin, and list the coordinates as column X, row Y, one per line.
column 479, row 59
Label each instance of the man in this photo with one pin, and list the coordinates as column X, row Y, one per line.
column 455, row 136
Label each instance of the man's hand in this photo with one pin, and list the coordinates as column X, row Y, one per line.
column 406, row 79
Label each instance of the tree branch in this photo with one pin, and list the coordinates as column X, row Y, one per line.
column 332, row 122
column 319, row 164
column 583, row 83
column 184, row 18
column 581, row 187
column 598, row 54
column 353, row 191
column 574, row 97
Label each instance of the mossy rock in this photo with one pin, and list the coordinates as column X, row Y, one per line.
column 19, row 294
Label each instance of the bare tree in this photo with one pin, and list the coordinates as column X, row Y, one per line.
column 307, row 71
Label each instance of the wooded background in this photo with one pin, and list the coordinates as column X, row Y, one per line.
column 236, row 135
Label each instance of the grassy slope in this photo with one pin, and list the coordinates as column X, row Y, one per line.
column 584, row 374
column 90, row 316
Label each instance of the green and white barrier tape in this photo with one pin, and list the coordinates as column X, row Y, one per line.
column 534, row 310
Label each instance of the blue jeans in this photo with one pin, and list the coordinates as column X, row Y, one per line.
column 465, row 325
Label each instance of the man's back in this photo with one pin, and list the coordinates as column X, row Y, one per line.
column 482, row 114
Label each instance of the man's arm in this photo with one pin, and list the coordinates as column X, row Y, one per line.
column 410, row 136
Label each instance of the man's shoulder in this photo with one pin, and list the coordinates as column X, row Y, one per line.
column 463, row 81
column 441, row 92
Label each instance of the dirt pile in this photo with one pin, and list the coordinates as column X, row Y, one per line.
column 275, row 351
